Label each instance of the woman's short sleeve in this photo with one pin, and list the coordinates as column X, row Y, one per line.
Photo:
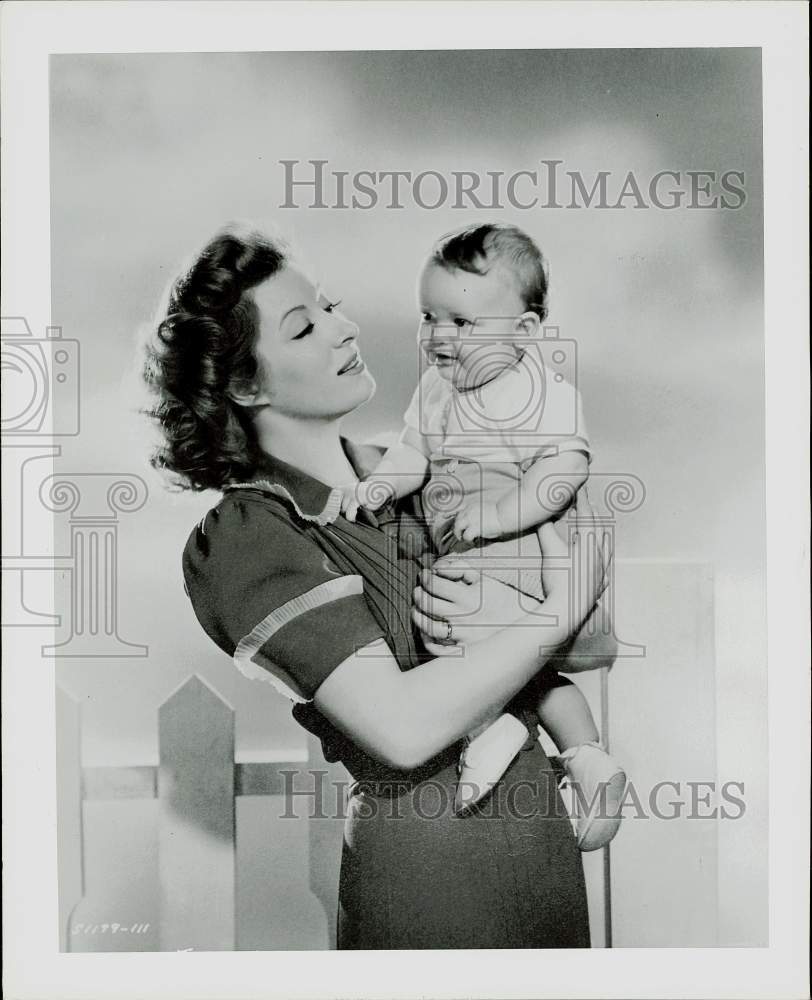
column 271, row 598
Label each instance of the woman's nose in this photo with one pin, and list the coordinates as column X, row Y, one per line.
column 347, row 330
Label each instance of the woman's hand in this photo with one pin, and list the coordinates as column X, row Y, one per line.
column 454, row 593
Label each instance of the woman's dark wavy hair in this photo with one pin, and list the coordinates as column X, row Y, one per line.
column 203, row 347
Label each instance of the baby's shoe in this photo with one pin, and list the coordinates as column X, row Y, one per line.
column 485, row 759
column 598, row 783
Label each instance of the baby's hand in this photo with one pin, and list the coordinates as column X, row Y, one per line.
column 478, row 519
column 369, row 493
column 349, row 501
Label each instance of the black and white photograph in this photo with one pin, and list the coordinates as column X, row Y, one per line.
column 395, row 451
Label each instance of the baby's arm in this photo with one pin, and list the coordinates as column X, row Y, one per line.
column 404, row 467
column 546, row 490
column 401, row 471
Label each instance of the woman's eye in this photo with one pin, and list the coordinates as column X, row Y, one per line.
column 308, row 329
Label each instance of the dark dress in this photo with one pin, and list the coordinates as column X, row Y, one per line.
column 289, row 588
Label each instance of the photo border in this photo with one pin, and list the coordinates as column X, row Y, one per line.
column 31, row 31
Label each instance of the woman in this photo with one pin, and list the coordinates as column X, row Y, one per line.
column 254, row 368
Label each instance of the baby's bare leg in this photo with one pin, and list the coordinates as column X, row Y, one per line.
column 565, row 713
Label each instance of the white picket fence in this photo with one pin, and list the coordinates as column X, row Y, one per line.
column 663, row 726
column 196, row 783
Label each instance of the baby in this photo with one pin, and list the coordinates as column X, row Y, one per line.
column 491, row 423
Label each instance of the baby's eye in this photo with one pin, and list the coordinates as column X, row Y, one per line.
column 459, row 322
column 331, row 306
column 426, row 317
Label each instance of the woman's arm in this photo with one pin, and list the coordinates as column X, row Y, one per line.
column 405, row 718
column 588, row 649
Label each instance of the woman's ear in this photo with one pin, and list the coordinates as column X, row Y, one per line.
column 247, row 394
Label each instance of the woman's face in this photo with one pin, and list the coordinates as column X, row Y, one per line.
column 309, row 362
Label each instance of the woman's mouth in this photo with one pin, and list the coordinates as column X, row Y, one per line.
column 353, row 366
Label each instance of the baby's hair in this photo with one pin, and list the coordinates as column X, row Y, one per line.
column 477, row 248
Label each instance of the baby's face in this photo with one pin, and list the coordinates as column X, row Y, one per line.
column 470, row 329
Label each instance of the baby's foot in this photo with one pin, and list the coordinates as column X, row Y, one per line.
column 486, row 758
column 598, row 783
